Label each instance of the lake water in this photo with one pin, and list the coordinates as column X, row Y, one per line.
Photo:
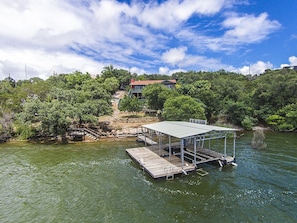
column 98, row 182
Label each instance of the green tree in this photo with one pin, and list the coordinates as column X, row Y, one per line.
column 182, row 108
column 273, row 91
column 58, row 80
column 111, row 84
column 28, row 120
column 285, row 119
column 275, row 121
column 290, row 114
column 54, row 118
column 76, row 79
column 130, row 104
column 107, row 72
column 6, row 121
column 237, row 111
column 202, row 91
column 83, row 107
column 156, row 95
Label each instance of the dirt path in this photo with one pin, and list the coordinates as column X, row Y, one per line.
column 122, row 120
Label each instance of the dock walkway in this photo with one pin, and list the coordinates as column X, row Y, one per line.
column 157, row 166
column 206, row 155
column 147, row 140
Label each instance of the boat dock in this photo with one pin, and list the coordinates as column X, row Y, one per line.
column 179, row 147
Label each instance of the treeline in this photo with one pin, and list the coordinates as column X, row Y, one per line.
column 37, row 107
column 267, row 99
column 45, row 108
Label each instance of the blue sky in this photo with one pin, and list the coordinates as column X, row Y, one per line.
column 43, row 37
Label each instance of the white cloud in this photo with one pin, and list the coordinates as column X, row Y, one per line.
column 248, row 28
column 256, row 68
column 174, row 55
column 163, row 70
column 38, row 63
column 136, row 70
column 39, row 22
column 168, row 71
column 173, row 12
column 238, row 31
column 293, row 60
column 47, row 36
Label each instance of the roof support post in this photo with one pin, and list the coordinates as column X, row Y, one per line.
column 170, row 147
column 182, row 152
column 144, row 137
column 160, row 143
column 234, row 142
column 225, row 146
column 195, row 150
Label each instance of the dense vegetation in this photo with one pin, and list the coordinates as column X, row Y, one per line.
column 37, row 107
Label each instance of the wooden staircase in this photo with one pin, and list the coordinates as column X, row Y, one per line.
column 82, row 132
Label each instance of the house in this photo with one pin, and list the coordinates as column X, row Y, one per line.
column 290, row 67
column 137, row 86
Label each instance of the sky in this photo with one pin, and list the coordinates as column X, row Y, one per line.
column 39, row 38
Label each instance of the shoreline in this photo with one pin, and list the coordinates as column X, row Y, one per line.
column 124, row 133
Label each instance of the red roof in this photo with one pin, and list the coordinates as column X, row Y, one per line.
column 147, row 82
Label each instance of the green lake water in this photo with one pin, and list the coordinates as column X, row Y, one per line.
column 98, row 182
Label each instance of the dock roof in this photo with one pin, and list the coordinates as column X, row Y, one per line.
column 180, row 129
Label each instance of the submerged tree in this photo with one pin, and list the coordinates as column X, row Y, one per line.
column 258, row 140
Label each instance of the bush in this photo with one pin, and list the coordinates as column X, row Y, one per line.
column 248, row 122
column 286, row 127
column 25, row 132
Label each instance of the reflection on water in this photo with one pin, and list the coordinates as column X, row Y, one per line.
column 98, row 182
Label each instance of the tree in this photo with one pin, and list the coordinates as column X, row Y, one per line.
column 285, row 119
column 156, row 95
column 76, row 79
column 237, row 112
column 62, row 107
column 83, row 106
column 54, row 118
column 130, row 104
column 182, row 108
column 111, row 84
column 202, row 91
column 6, row 121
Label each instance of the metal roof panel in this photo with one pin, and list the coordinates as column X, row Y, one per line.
column 180, row 129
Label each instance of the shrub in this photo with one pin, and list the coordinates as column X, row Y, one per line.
column 248, row 122
column 286, row 127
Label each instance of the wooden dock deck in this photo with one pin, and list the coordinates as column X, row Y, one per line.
column 156, row 165
column 147, row 140
column 206, row 155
